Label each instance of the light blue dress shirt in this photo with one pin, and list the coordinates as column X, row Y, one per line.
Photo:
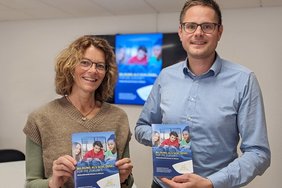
column 220, row 106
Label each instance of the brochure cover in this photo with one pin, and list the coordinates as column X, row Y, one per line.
column 171, row 150
column 96, row 154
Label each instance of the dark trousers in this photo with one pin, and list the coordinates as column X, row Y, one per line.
column 155, row 185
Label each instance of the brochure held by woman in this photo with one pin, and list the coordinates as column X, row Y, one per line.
column 96, row 154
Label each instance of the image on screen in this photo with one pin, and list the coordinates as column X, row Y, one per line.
column 139, row 60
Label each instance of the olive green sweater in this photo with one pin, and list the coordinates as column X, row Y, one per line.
column 49, row 130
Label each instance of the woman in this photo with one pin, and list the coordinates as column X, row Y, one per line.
column 156, row 139
column 86, row 73
column 185, row 141
column 77, row 155
column 111, row 153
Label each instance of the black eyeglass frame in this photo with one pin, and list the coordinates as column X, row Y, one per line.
column 183, row 26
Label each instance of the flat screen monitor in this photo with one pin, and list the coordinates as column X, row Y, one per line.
column 140, row 58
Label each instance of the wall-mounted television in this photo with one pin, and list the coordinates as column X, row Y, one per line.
column 140, row 58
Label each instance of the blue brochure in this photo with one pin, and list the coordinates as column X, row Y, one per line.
column 171, row 149
column 96, row 154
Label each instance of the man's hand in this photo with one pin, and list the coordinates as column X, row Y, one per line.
column 188, row 181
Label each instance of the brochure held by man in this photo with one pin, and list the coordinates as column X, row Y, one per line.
column 171, row 150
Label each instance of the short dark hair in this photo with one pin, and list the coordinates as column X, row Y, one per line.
column 98, row 143
column 143, row 48
column 173, row 133
column 209, row 3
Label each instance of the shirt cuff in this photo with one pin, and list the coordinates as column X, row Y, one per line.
column 219, row 180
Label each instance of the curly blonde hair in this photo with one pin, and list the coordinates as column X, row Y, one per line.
column 68, row 59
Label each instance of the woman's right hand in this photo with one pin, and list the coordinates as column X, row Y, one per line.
column 63, row 169
column 125, row 168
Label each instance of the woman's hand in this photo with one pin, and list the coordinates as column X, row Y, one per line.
column 188, row 181
column 125, row 168
column 63, row 169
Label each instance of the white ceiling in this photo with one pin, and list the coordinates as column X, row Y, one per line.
column 16, row 10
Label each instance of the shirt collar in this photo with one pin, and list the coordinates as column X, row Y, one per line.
column 213, row 71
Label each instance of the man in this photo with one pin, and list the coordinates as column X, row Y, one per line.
column 220, row 101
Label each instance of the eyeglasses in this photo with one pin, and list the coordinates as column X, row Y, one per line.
column 191, row 27
column 86, row 64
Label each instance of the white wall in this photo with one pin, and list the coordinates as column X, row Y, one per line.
column 27, row 51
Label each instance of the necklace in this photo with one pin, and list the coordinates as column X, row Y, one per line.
column 84, row 116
